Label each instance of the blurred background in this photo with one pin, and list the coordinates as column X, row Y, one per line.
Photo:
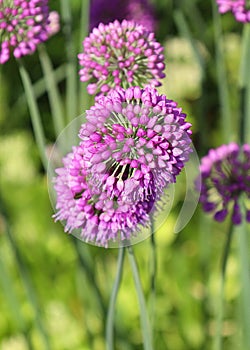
column 54, row 289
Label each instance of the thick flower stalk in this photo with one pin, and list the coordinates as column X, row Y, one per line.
column 120, row 54
column 137, row 142
column 23, row 25
column 88, row 208
column 225, row 174
column 237, row 7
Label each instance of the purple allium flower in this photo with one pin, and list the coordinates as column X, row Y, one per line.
column 137, row 142
column 139, row 11
column 225, row 174
column 120, row 54
column 237, row 7
column 84, row 206
column 23, row 25
column 53, row 23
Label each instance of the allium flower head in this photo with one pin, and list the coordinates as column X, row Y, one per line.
column 139, row 11
column 137, row 142
column 84, row 206
column 237, row 7
column 120, row 54
column 225, row 174
column 23, row 25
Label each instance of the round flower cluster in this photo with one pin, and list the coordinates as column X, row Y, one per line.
column 23, row 25
column 139, row 11
column 237, row 7
column 134, row 144
column 90, row 209
column 135, row 137
column 120, row 54
column 225, row 174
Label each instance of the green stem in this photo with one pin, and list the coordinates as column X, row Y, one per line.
column 245, row 280
column 222, row 76
column 52, row 88
column 71, row 70
column 218, row 338
column 84, row 97
column 84, row 262
column 112, row 302
column 245, row 87
column 146, row 332
column 34, row 113
column 153, row 272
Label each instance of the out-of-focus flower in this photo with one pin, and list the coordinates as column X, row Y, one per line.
column 84, row 206
column 54, row 23
column 225, row 174
column 120, row 54
column 23, row 25
column 237, row 7
column 137, row 142
column 139, row 11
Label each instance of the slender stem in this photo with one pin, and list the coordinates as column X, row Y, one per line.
column 243, row 242
column 218, row 338
column 71, row 82
column 146, row 332
column 153, row 272
column 222, row 76
column 34, row 113
column 83, row 258
column 84, row 97
column 112, row 302
column 245, row 87
column 52, row 88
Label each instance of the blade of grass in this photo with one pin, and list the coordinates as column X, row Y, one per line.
column 53, row 92
column 34, row 113
column 112, row 301
column 146, row 331
column 226, row 117
column 39, row 87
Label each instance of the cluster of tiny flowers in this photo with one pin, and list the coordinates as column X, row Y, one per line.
column 135, row 136
column 134, row 144
column 84, row 206
column 23, row 25
column 237, row 7
column 120, row 54
column 225, row 174
column 139, row 11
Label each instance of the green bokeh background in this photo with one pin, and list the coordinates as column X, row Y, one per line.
column 44, row 282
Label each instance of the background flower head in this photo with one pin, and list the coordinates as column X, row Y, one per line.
column 88, row 208
column 237, row 7
column 225, row 174
column 23, row 25
column 120, row 54
column 137, row 142
column 139, row 11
